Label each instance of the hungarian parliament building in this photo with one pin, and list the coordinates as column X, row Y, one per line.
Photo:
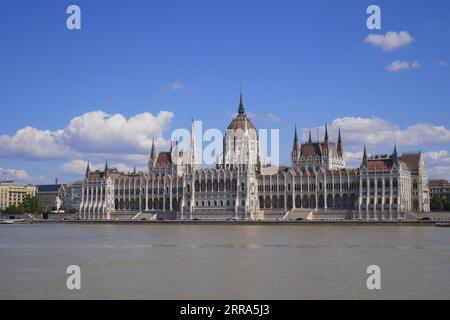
column 241, row 186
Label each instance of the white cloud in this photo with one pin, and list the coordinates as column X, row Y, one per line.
column 391, row 41
column 99, row 132
column 93, row 133
column 73, row 168
column 374, row 131
column 176, row 86
column 397, row 65
column 443, row 64
column 14, row 174
column 78, row 167
column 272, row 117
column 438, row 163
column 354, row 157
column 438, row 157
column 33, row 143
column 439, row 172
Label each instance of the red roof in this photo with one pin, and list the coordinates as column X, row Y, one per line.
column 164, row 158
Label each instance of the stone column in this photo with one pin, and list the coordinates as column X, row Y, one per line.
column 293, row 192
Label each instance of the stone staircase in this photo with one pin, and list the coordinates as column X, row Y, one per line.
column 298, row 214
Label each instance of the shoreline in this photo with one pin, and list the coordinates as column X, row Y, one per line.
column 212, row 222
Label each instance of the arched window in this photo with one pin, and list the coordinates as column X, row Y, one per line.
column 395, row 183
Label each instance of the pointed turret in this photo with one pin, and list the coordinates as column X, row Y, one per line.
column 310, row 137
column 395, row 155
column 340, row 147
column 326, row 142
column 152, row 161
column 241, row 110
column 153, row 152
column 224, row 153
column 134, row 169
column 192, row 152
column 88, row 169
column 106, row 169
column 295, row 148
column 365, row 161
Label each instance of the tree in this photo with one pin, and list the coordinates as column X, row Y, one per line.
column 14, row 210
column 446, row 205
column 439, row 204
column 31, row 204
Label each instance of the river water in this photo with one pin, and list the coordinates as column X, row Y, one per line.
column 223, row 261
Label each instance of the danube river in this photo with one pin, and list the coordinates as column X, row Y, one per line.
column 223, row 261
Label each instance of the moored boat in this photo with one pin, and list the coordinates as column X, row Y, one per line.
column 443, row 224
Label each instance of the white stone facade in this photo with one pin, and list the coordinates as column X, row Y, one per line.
column 242, row 187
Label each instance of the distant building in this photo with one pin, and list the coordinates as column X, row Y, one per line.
column 440, row 188
column 12, row 194
column 48, row 193
column 73, row 196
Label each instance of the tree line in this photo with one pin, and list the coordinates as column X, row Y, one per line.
column 439, row 203
column 29, row 205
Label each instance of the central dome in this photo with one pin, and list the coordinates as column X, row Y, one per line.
column 240, row 144
column 238, row 123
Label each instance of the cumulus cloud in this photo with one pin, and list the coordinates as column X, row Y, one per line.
column 33, row 143
column 91, row 133
column 357, row 131
column 14, row 174
column 438, row 163
column 176, row 86
column 397, row 65
column 390, row 41
column 354, row 157
column 439, row 172
column 78, row 167
column 441, row 157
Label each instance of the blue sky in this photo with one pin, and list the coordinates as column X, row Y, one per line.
column 300, row 63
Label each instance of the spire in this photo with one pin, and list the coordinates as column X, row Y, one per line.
column 295, row 146
column 224, row 153
column 241, row 110
column 326, row 133
column 295, row 152
column 88, row 169
column 152, row 161
column 395, row 154
column 340, row 147
column 106, row 169
column 153, row 152
column 365, row 161
column 310, row 138
column 192, row 150
column 134, row 169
